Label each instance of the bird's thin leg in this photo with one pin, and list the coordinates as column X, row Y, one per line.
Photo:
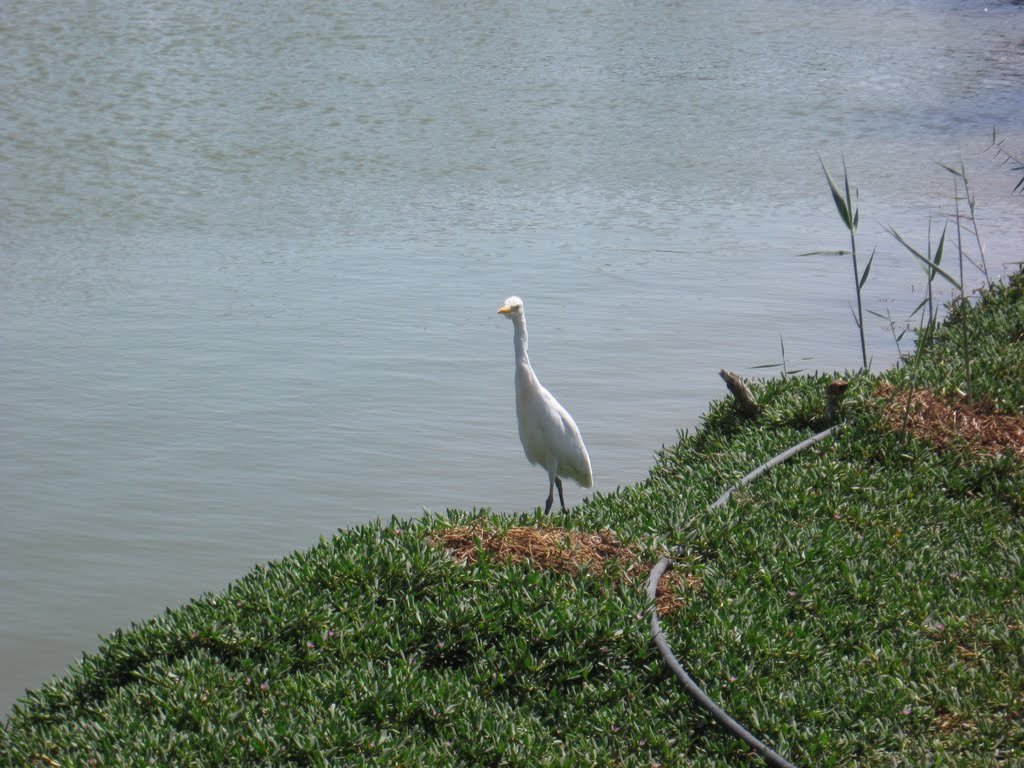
column 561, row 498
column 551, row 497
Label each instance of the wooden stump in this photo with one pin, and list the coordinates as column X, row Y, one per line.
column 744, row 397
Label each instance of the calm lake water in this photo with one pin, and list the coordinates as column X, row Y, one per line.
column 252, row 252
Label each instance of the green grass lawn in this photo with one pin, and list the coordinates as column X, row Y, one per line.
column 860, row 605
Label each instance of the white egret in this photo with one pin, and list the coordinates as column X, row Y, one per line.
column 549, row 436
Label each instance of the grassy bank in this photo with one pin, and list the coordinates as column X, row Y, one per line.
column 861, row 604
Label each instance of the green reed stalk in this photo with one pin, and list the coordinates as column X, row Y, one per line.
column 850, row 214
column 968, row 197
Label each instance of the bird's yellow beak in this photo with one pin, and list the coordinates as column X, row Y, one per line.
column 504, row 310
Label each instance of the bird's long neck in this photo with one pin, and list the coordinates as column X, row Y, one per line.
column 522, row 358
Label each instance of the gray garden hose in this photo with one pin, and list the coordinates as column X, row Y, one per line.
column 719, row 714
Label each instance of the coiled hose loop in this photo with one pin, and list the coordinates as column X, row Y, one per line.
column 694, row 690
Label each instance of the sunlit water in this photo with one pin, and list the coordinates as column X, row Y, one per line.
column 252, row 252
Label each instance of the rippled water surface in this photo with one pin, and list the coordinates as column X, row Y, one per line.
column 252, row 252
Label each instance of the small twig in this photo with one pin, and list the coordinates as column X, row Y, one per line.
column 739, row 390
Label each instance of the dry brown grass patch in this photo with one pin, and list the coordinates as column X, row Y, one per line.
column 943, row 423
column 948, row 721
column 562, row 550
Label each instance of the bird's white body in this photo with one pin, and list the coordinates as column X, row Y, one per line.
column 548, row 433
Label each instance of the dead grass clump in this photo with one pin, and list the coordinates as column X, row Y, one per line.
column 946, row 424
column 948, row 721
column 562, row 551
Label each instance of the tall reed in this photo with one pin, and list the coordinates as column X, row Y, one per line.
column 960, row 175
column 849, row 212
column 929, row 312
